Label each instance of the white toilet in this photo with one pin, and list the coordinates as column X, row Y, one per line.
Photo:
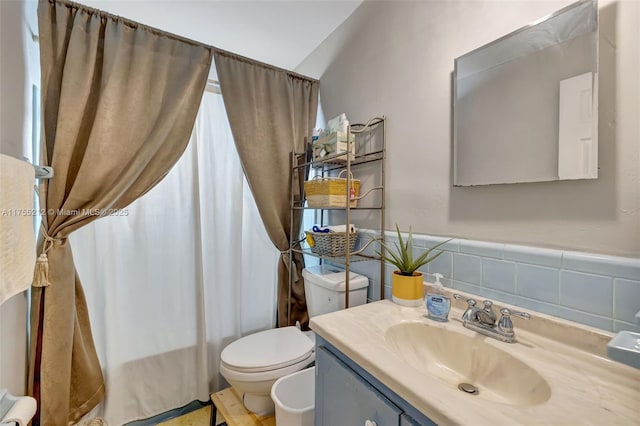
column 253, row 363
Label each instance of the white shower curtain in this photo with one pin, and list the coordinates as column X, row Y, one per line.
column 173, row 279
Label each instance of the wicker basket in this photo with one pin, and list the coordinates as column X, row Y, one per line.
column 331, row 243
column 331, row 192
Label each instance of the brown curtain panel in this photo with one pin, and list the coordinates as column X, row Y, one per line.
column 271, row 111
column 119, row 101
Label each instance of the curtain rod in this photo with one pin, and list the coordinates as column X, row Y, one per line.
column 263, row 64
column 125, row 21
column 153, row 30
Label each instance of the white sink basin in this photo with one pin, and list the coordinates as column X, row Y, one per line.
column 455, row 358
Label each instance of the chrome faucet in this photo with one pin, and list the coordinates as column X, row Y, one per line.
column 483, row 320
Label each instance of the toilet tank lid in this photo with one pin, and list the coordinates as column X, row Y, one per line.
column 333, row 278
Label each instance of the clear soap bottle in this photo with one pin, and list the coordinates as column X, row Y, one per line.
column 438, row 305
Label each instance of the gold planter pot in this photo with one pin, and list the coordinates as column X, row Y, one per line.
column 406, row 290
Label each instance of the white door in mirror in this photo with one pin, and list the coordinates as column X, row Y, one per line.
column 577, row 151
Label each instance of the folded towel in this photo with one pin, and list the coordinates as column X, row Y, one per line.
column 342, row 228
column 17, row 240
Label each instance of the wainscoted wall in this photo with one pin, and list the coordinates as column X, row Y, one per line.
column 396, row 58
column 592, row 289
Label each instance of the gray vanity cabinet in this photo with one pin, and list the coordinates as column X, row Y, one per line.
column 345, row 398
column 346, row 395
column 405, row 420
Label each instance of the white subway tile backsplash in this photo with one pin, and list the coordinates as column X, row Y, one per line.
column 533, row 255
column 625, row 326
column 429, row 242
column 360, row 268
column 387, row 292
column 388, row 270
column 597, row 290
column 538, row 306
column 418, row 240
column 494, row 295
column 373, row 292
column 391, row 238
column 537, row 282
column 588, row 293
column 584, row 318
column 467, row 288
column 617, row 267
column 467, row 268
column 482, row 248
column 371, row 248
column 443, row 264
column 417, row 252
column 430, row 278
column 627, row 299
column 499, row 275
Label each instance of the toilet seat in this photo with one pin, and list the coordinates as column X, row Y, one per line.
column 268, row 375
column 267, row 351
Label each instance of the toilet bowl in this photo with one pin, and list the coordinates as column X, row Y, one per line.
column 253, row 363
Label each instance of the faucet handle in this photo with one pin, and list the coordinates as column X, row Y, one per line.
column 470, row 313
column 506, row 312
column 505, row 324
column 470, row 302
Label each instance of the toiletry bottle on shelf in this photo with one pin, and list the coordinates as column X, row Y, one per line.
column 438, row 305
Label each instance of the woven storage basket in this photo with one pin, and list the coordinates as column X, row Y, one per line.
column 332, row 243
column 331, row 192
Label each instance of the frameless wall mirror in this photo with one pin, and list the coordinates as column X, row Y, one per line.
column 525, row 105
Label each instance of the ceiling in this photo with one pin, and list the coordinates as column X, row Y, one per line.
column 278, row 32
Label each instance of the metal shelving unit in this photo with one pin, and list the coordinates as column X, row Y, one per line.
column 328, row 166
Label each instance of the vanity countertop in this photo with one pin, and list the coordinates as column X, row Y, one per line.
column 586, row 387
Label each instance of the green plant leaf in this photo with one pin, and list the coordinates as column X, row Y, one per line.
column 402, row 256
column 424, row 259
column 403, row 250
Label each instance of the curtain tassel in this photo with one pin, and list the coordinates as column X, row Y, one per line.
column 41, row 272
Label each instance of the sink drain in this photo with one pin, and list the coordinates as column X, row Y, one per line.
column 468, row 388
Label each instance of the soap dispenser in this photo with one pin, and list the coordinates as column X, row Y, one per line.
column 438, row 305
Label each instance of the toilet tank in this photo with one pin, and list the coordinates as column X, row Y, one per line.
column 324, row 288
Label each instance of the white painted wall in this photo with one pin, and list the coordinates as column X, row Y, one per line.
column 19, row 69
column 396, row 58
column 278, row 32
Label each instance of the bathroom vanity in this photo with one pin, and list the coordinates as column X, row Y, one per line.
column 347, row 395
column 384, row 364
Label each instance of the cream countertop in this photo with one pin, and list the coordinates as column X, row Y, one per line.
column 586, row 388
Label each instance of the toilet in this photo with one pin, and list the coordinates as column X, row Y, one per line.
column 253, row 363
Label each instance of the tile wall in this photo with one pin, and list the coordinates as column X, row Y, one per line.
column 592, row 289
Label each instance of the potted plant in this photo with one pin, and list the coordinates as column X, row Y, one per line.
column 406, row 281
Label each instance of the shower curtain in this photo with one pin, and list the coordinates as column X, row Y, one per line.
column 177, row 276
